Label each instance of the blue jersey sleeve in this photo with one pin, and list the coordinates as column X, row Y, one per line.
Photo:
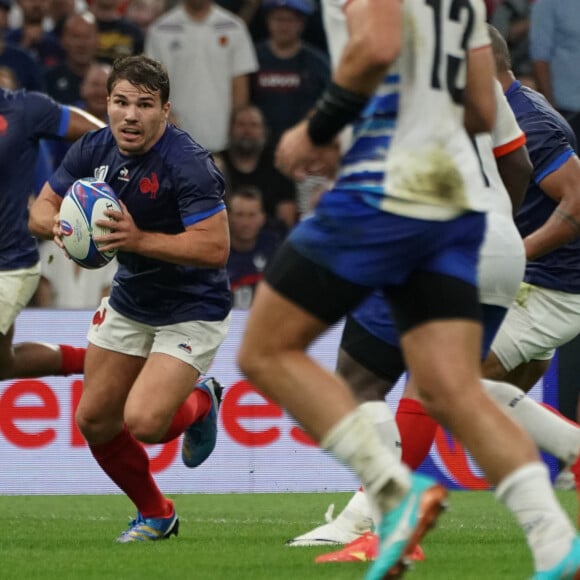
column 547, row 144
column 201, row 186
column 73, row 167
column 45, row 117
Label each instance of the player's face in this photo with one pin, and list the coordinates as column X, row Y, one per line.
column 137, row 118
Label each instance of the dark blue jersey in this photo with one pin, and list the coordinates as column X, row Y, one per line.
column 24, row 119
column 174, row 185
column 246, row 269
column 550, row 142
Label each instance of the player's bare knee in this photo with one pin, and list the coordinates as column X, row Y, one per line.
column 146, row 427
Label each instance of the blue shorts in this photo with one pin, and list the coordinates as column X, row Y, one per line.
column 374, row 316
column 373, row 248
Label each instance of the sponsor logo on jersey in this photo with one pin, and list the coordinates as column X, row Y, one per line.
column 101, row 172
column 123, row 174
column 3, row 125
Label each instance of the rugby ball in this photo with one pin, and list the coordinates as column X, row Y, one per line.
column 83, row 204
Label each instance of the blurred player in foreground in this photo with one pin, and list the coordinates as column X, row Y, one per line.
column 168, row 311
column 405, row 217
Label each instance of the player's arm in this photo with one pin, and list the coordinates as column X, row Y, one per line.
column 479, row 100
column 203, row 244
column 563, row 226
column 374, row 42
column 80, row 122
column 43, row 214
column 515, row 169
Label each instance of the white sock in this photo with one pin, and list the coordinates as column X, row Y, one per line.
column 550, row 432
column 527, row 493
column 358, row 511
column 382, row 417
column 356, row 442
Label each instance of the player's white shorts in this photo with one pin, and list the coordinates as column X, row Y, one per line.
column 502, row 261
column 539, row 321
column 17, row 287
column 194, row 342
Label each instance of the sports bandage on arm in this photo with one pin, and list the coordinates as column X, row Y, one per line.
column 336, row 108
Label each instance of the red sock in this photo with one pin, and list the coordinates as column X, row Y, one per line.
column 194, row 408
column 417, row 430
column 126, row 462
column 72, row 359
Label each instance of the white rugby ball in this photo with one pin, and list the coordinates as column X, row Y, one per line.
column 84, row 203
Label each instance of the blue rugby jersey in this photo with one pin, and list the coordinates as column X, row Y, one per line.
column 25, row 117
column 173, row 185
column 550, row 143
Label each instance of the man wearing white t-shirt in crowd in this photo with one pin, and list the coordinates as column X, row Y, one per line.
column 209, row 55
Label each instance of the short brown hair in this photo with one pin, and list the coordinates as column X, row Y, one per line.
column 141, row 71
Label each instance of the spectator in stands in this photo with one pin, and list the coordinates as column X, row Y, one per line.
column 555, row 53
column 64, row 284
column 27, row 71
column 32, row 36
column 94, row 90
column 512, row 19
column 248, row 162
column 292, row 73
column 245, row 9
column 144, row 12
column 209, row 55
column 79, row 41
column 117, row 35
column 60, row 10
column 252, row 244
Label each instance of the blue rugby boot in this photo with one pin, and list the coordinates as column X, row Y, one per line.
column 403, row 527
column 200, row 437
column 567, row 569
column 150, row 529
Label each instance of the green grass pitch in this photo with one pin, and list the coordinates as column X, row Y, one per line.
column 241, row 537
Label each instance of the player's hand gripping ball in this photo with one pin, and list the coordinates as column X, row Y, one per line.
column 84, row 203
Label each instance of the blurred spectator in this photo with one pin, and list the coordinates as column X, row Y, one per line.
column 248, row 162
column 512, row 19
column 292, row 73
column 64, row 284
column 92, row 98
column 117, row 36
column 245, row 9
column 94, row 90
column 32, row 36
column 79, row 41
column 59, row 11
column 555, row 53
column 26, row 70
column 144, row 12
column 209, row 55
column 252, row 244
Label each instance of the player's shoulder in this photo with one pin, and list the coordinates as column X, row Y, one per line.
column 180, row 153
